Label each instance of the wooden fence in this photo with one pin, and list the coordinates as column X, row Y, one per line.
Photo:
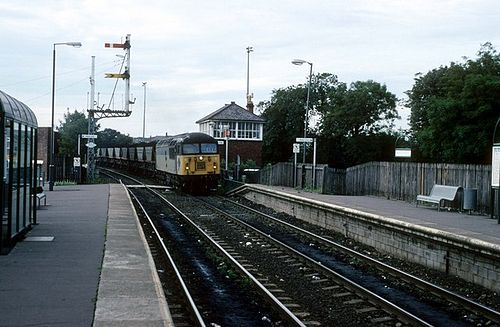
column 392, row 180
column 327, row 180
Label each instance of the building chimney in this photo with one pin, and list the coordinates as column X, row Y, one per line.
column 250, row 103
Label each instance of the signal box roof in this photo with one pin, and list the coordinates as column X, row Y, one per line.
column 16, row 110
column 232, row 112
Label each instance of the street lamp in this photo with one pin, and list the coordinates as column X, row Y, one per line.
column 299, row 62
column 144, row 115
column 51, row 158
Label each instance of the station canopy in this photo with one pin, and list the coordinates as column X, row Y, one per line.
column 16, row 110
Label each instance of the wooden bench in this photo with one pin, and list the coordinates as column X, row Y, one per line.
column 440, row 193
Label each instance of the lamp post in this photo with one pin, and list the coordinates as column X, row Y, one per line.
column 51, row 158
column 299, row 62
column 144, row 115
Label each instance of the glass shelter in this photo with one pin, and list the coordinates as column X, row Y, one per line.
column 18, row 142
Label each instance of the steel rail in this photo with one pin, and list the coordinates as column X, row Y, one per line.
column 402, row 314
column 187, row 294
column 281, row 307
column 475, row 307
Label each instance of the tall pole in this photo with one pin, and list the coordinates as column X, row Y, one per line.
column 307, row 110
column 127, row 72
column 144, row 115
column 249, row 49
column 51, row 160
column 52, row 143
column 91, row 125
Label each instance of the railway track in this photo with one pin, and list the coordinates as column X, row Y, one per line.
column 197, row 290
column 313, row 292
column 485, row 316
column 307, row 291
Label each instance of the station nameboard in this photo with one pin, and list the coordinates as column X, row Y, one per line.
column 495, row 166
column 402, row 153
column 304, row 139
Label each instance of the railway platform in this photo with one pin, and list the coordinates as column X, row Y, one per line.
column 458, row 244
column 472, row 226
column 85, row 264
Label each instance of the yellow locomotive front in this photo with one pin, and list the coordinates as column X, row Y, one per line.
column 198, row 165
column 189, row 161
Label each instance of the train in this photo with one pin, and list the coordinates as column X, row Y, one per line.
column 188, row 162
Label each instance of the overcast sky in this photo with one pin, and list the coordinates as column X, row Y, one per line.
column 192, row 53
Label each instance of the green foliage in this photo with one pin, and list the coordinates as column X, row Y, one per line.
column 284, row 115
column 454, row 109
column 365, row 108
column 74, row 123
column 354, row 124
column 351, row 119
column 111, row 138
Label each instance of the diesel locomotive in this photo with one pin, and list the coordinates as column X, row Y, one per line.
column 189, row 161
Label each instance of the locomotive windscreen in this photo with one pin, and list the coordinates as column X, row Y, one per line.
column 191, row 148
column 208, row 148
column 195, row 148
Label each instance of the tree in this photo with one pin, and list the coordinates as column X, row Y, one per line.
column 284, row 115
column 355, row 122
column 111, row 138
column 74, row 123
column 454, row 109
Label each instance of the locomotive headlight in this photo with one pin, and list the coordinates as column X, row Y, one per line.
column 215, row 165
column 201, row 158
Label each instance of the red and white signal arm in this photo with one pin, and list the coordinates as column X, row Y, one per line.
column 227, row 133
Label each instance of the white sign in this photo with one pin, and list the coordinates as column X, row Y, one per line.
column 91, row 144
column 495, row 167
column 76, row 162
column 220, row 142
column 304, row 139
column 89, row 136
column 296, row 148
column 403, row 153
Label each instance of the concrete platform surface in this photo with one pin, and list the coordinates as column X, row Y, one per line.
column 54, row 283
column 57, row 276
column 130, row 292
column 473, row 226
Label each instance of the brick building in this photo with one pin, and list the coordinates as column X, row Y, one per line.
column 241, row 128
column 43, row 150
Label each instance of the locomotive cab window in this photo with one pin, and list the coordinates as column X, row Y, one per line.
column 208, row 148
column 190, row 148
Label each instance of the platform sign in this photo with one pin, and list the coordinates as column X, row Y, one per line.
column 304, row 139
column 402, row 153
column 76, row 162
column 296, row 148
column 89, row 136
column 495, row 166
